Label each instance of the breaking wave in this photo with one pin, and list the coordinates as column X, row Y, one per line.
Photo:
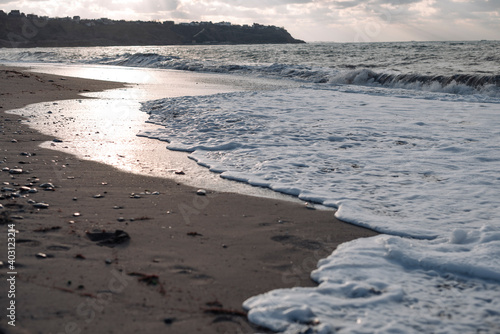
column 455, row 84
column 340, row 74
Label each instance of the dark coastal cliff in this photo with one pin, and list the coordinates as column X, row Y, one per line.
column 20, row 30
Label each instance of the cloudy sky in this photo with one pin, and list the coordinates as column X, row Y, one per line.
column 310, row 20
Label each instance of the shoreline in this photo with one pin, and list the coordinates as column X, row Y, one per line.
column 190, row 262
column 86, row 135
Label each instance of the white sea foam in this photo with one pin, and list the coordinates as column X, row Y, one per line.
column 389, row 284
column 386, row 162
column 424, row 168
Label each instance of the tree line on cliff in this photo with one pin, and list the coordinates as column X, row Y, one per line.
column 20, row 30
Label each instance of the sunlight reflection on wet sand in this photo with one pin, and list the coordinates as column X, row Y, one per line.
column 104, row 128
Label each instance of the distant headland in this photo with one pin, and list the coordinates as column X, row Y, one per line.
column 18, row 30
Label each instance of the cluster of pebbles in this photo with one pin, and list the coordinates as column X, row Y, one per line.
column 14, row 190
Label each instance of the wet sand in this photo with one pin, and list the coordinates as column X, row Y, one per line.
column 184, row 263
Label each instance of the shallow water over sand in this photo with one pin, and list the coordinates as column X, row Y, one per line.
column 104, row 128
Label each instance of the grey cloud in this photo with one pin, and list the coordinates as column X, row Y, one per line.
column 348, row 4
column 156, row 6
column 265, row 3
column 370, row 4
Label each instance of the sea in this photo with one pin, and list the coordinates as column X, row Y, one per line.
column 402, row 138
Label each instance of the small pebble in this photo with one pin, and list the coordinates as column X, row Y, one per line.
column 310, row 206
column 77, row 214
column 47, row 185
column 98, row 196
column 1, row 206
column 13, row 141
column 6, row 169
column 57, row 140
column 33, row 191
column 41, row 255
column 116, row 207
column 109, row 261
column 201, row 192
column 121, row 219
column 41, row 205
column 75, row 199
column 16, row 171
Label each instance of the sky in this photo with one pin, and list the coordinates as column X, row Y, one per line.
column 309, row 20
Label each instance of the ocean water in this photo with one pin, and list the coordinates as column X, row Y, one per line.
column 403, row 138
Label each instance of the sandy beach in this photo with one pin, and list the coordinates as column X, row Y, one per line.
column 124, row 253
